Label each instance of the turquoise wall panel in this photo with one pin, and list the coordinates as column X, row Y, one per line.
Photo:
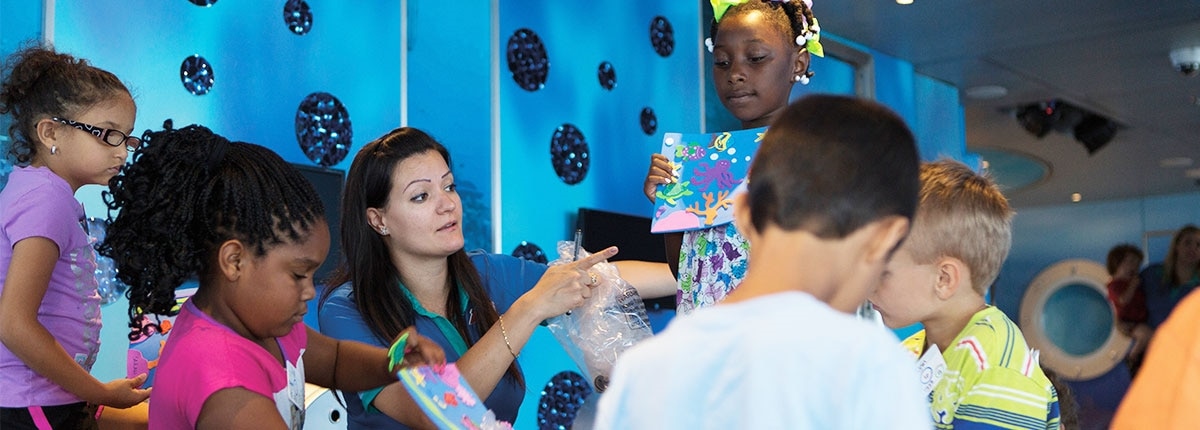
column 538, row 206
column 449, row 97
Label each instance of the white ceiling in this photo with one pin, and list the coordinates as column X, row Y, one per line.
column 1107, row 56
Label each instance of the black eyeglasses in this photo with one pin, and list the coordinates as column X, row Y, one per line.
column 110, row 137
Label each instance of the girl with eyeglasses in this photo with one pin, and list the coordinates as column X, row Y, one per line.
column 70, row 127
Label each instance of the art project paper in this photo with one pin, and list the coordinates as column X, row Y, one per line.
column 446, row 398
column 708, row 169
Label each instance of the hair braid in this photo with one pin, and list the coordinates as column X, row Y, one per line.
column 178, row 203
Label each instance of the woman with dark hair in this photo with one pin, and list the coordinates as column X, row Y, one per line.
column 1168, row 282
column 252, row 230
column 405, row 266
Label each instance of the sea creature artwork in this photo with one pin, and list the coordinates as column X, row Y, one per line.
column 446, row 398
column 674, row 191
column 708, row 170
column 718, row 172
column 720, row 141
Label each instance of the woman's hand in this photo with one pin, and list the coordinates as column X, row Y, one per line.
column 659, row 174
column 565, row 286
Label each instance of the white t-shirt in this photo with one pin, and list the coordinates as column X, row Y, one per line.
column 780, row 361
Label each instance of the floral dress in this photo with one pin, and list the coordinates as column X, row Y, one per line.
column 712, row 262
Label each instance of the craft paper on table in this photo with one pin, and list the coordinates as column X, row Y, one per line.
column 708, row 169
column 447, row 399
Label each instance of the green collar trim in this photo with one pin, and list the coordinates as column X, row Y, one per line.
column 444, row 325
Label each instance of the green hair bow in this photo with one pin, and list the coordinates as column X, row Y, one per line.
column 720, row 6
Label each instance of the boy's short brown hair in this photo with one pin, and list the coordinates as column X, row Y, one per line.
column 961, row 214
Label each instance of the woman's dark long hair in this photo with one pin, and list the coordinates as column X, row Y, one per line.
column 368, row 265
column 186, row 192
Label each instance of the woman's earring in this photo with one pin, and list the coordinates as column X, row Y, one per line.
column 796, row 78
column 53, row 149
column 383, row 231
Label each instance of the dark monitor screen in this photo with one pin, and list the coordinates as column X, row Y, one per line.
column 631, row 234
column 329, row 183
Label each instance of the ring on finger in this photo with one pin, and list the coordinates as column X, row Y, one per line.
column 592, row 275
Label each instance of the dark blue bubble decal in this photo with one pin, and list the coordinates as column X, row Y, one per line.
column 649, row 121
column 607, row 75
column 561, row 399
column 531, row 252
column 297, row 16
column 662, row 36
column 323, row 129
column 197, row 75
column 205, row 3
column 477, row 232
column 569, row 154
column 527, row 60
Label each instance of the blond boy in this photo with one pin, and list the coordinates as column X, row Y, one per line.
column 961, row 235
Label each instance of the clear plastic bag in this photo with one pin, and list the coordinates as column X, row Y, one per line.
column 605, row 325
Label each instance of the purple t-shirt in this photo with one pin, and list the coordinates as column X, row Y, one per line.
column 203, row 356
column 38, row 203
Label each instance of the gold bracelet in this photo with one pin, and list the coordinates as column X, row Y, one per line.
column 505, row 334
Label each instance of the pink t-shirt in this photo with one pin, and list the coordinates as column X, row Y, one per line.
column 203, row 356
column 38, row 203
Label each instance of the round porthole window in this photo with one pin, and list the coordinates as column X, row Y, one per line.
column 1065, row 314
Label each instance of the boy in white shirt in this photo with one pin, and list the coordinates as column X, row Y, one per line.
column 831, row 195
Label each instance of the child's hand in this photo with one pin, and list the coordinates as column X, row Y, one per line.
column 659, row 174
column 124, row 393
column 420, row 350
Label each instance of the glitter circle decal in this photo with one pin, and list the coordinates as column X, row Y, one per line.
column 297, row 16
column 110, row 288
column 649, row 121
column 662, row 36
column 197, row 75
column 569, row 154
column 527, row 60
column 607, row 75
column 531, row 252
column 561, row 399
column 323, row 129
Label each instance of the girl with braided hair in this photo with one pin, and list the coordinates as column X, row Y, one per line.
column 249, row 226
column 760, row 48
column 70, row 127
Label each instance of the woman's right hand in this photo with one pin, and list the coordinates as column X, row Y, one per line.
column 565, row 286
column 124, row 393
column 659, row 174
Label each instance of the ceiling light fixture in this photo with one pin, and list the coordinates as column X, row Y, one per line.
column 1076, row 197
column 904, row 1
column 1090, row 129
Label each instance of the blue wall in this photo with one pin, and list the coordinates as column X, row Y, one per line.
column 537, row 206
column 22, row 22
